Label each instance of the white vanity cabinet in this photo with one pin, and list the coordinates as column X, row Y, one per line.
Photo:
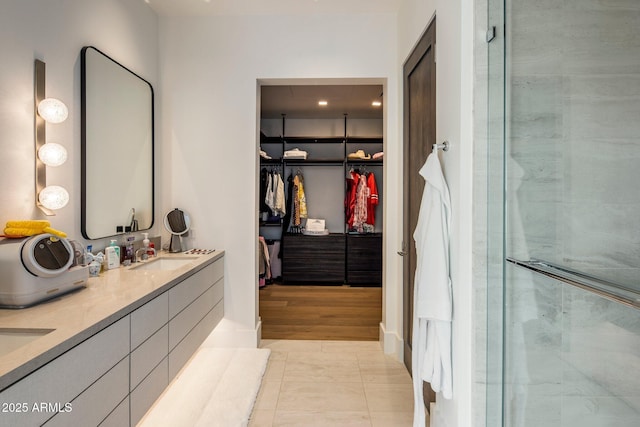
column 113, row 377
column 86, row 382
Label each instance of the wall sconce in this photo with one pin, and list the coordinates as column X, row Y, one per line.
column 51, row 110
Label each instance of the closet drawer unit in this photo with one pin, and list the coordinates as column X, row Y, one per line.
column 364, row 259
column 313, row 259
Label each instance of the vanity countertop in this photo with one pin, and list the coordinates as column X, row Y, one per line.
column 77, row 316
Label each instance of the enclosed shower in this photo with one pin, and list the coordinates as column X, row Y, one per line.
column 564, row 213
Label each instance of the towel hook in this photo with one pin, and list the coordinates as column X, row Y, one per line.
column 444, row 146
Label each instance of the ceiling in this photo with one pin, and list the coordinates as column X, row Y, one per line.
column 301, row 102
column 270, row 7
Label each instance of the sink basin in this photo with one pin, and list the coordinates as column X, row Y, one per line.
column 14, row 338
column 164, row 263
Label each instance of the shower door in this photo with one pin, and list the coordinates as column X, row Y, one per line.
column 564, row 214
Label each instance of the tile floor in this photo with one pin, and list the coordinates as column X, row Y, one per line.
column 332, row 383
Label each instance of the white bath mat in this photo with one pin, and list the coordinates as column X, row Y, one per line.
column 217, row 389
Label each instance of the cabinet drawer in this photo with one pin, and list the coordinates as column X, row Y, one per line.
column 364, row 259
column 148, row 391
column 146, row 320
column 148, row 355
column 180, row 325
column 65, row 377
column 185, row 349
column 119, row 417
column 192, row 287
column 96, row 402
column 313, row 259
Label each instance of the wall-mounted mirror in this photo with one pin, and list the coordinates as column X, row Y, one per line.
column 117, row 146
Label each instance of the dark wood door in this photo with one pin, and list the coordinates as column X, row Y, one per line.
column 419, row 135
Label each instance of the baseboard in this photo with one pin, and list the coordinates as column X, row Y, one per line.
column 391, row 343
column 229, row 334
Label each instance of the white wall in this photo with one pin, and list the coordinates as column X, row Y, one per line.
column 54, row 31
column 210, row 68
column 454, row 76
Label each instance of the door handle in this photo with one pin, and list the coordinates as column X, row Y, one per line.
column 402, row 253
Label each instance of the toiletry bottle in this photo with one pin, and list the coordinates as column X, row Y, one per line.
column 114, row 245
column 113, row 259
column 128, row 245
column 151, row 246
column 145, row 241
column 121, row 242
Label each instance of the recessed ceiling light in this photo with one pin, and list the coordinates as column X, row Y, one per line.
column 376, row 103
column 323, row 103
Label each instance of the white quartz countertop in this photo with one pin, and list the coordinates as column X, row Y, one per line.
column 77, row 316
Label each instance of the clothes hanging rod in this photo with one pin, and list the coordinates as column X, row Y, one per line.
column 444, row 146
column 604, row 288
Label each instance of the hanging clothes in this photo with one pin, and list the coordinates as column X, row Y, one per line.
column 352, row 180
column 299, row 202
column 302, row 199
column 372, row 199
column 286, row 222
column 269, row 196
column 361, row 199
column 433, row 305
column 264, row 267
column 264, row 176
column 274, row 258
column 360, row 211
column 280, row 208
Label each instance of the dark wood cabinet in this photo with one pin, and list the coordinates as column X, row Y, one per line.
column 364, row 259
column 354, row 259
column 313, row 259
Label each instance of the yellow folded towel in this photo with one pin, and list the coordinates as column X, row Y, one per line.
column 30, row 228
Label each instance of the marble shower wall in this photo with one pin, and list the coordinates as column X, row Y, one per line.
column 573, row 168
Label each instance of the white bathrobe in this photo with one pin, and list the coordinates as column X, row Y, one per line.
column 433, row 307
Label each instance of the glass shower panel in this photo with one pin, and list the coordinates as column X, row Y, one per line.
column 571, row 197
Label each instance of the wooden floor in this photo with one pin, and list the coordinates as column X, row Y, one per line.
column 320, row 312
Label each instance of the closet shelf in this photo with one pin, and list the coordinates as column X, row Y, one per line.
column 364, row 162
column 270, row 224
column 339, row 162
column 314, row 140
column 270, row 161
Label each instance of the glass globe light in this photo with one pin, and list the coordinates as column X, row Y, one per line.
column 53, row 197
column 53, row 110
column 52, row 154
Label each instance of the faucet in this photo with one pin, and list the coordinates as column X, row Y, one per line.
column 144, row 254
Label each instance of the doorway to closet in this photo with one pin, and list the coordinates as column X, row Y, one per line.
column 320, row 210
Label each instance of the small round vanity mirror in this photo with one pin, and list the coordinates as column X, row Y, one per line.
column 177, row 223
